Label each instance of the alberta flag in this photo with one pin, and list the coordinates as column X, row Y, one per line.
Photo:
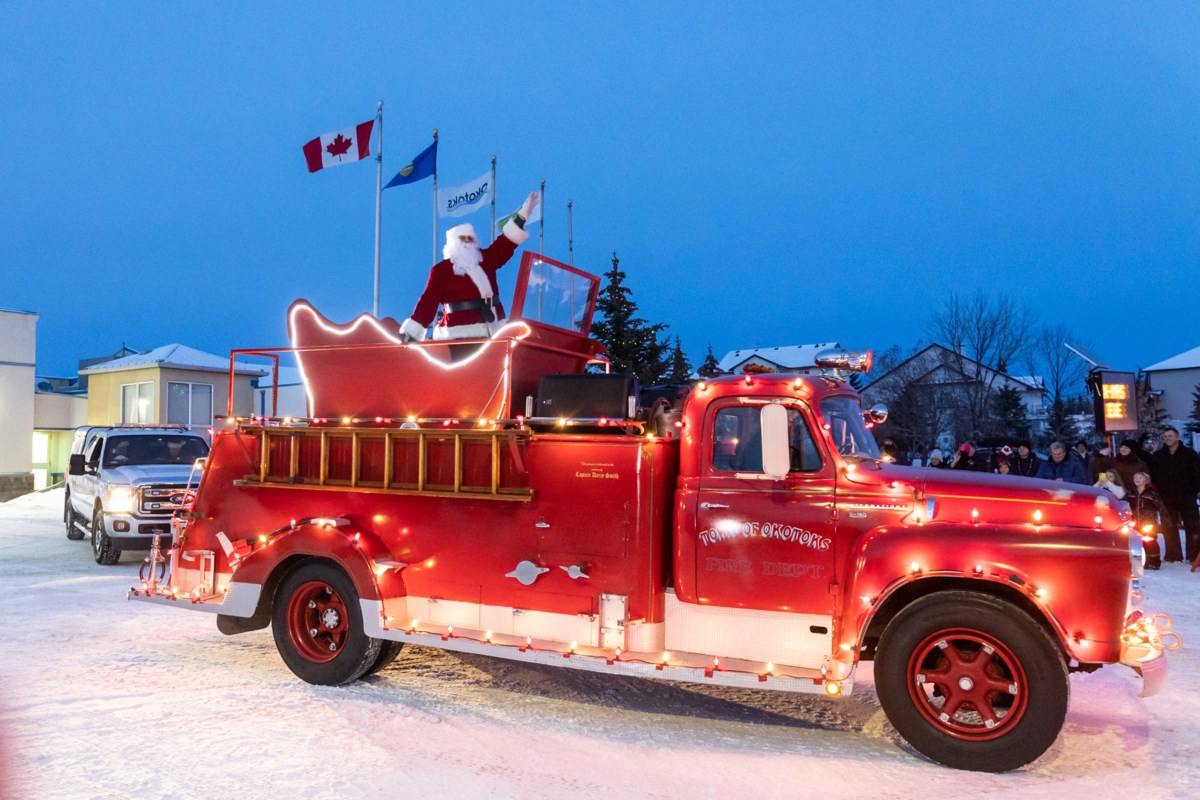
column 422, row 166
column 339, row 147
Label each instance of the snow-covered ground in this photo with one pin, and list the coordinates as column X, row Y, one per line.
column 104, row 698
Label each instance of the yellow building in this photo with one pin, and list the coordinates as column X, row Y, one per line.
column 169, row 385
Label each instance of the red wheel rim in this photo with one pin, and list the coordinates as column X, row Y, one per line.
column 968, row 684
column 317, row 621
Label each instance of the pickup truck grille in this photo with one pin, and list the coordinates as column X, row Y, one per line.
column 160, row 500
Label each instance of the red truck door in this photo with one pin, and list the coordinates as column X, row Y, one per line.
column 763, row 542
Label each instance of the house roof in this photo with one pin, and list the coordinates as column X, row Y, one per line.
column 18, row 311
column 176, row 356
column 1188, row 360
column 798, row 356
column 1033, row 382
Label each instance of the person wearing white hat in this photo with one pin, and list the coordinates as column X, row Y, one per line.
column 464, row 284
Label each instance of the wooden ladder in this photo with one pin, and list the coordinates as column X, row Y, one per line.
column 496, row 441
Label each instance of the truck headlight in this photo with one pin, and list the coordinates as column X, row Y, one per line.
column 120, row 499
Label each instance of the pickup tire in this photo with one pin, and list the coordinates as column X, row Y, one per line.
column 103, row 549
column 318, row 627
column 74, row 533
column 972, row 681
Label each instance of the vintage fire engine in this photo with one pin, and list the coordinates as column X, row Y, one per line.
column 497, row 497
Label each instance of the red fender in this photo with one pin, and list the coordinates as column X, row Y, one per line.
column 1075, row 577
column 361, row 554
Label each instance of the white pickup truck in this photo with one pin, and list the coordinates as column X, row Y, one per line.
column 124, row 483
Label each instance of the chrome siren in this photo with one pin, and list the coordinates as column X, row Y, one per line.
column 844, row 359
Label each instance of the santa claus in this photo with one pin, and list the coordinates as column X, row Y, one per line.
column 464, row 284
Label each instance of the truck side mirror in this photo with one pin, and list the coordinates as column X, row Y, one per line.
column 776, row 458
column 76, row 465
column 878, row 414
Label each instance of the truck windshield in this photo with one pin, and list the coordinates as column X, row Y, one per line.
column 844, row 421
column 124, row 451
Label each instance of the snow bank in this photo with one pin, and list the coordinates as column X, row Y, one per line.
column 104, row 698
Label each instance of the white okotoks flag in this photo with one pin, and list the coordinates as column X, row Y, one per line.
column 461, row 200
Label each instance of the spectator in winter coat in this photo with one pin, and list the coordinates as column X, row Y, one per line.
column 968, row 458
column 936, row 459
column 1025, row 462
column 1062, row 467
column 1081, row 451
column 1175, row 469
column 1147, row 511
column 1100, row 462
column 1126, row 463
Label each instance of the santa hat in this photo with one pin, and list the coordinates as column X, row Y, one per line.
column 466, row 229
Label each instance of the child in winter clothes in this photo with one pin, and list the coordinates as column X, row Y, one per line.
column 1147, row 509
column 1111, row 480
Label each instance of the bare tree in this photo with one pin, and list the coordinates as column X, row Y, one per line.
column 1062, row 371
column 986, row 336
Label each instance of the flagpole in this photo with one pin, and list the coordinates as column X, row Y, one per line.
column 542, row 223
column 493, row 231
column 435, row 209
column 378, row 204
column 570, row 238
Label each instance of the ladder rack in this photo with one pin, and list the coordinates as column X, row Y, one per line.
column 477, row 464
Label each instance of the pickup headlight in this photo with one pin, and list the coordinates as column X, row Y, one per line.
column 120, row 499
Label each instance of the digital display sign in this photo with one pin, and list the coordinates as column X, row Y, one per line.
column 1116, row 401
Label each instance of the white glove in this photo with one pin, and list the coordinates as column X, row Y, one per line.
column 528, row 206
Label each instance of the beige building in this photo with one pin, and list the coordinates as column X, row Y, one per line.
column 1177, row 378
column 18, row 352
column 169, row 385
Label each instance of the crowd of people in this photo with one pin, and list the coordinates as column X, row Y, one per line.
column 1160, row 484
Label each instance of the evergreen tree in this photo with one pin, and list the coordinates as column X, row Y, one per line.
column 681, row 368
column 1008, row 410
column 710, row 368
column 857, row 381
column 632, row 343
column 1152, row 417
column 1193, row 425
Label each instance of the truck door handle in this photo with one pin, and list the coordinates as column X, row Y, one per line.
column 713, row 505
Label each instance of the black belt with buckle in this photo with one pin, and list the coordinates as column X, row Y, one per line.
column 487, row 308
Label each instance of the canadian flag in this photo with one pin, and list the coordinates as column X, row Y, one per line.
column 339, row 147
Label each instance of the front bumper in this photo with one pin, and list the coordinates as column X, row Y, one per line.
column 1144, row 645
column 138, row 532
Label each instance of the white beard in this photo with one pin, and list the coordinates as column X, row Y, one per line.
column 463, row 255
column 466, row 258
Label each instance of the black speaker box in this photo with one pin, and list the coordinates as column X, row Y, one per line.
column 584, row 396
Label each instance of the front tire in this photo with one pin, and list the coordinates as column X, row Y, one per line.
column 103, row 549
column 972, row 681
column 71, row 519
column 318, row 627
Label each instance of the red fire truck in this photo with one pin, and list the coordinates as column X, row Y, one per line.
column 499, row 497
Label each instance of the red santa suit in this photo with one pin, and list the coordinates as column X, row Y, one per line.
column 467, row 293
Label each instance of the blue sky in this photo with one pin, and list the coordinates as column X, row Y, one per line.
column 768, row 174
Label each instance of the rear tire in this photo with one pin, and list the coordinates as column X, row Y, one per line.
column 318, row 628
column 71, row 518
column 972, row 681
column 388, row 650
column 103, row 549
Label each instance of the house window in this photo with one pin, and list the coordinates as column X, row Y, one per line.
column 137, row 402
column 190, row 405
